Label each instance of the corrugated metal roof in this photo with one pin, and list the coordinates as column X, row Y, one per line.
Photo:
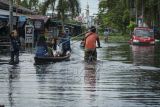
column 45, row 18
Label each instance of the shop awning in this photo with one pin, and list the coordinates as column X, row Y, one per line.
column 3, row 18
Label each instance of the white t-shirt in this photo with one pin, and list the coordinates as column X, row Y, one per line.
column 106, row 33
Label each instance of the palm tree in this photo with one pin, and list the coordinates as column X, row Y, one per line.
column 17, row 1
column 62, row 7
column 48, row 4
column 27, row 3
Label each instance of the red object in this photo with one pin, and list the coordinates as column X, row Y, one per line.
column 142, row 35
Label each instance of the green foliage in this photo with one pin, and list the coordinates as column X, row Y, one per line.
column 116, row 17
column 116, row 37
column 117, row 14
column 131, row 26
column 28, row 3
column 63, row 6
column 119, row 37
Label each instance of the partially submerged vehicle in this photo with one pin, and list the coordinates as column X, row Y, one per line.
column 142, row 36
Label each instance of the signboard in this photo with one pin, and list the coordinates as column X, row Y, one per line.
column 38, row 24
column 29, row 34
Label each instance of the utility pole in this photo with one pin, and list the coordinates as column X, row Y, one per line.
column 10, row 15
column 136, row 11
column 87, row 15
column 142, row 12
column 17, row 6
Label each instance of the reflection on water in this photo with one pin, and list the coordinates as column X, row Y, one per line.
column 90, row 77
column 140, row 87
column 41, row 71
column 137, row 55
column 117, row 52
column 146, row 55
column 13, row 76
column 143, row 55
column 114, row 81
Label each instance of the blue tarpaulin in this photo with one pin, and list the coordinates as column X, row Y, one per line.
column 22, row 18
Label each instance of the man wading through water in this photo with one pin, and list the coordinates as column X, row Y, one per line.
column 90, row 44
column 15, row 47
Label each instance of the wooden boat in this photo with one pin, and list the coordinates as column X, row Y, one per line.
column 41, row 60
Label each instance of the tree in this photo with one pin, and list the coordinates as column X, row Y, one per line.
column 64, row 6
column 116, row 16
column 129, row 10
column 46, row 5
column 27, row 3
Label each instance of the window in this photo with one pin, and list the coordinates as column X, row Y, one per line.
column 143, row 33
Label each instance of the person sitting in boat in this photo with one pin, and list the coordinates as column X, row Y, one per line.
column 65, row 42
column 54, row 42
column 50, row 50
column 82, row 42
column 67, row 33
column 42, row 49
column 58, row 51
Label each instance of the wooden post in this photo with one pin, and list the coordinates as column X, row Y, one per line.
column 11, row 15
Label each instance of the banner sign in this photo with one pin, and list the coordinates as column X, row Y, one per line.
column 29, row 34
column 38, row 24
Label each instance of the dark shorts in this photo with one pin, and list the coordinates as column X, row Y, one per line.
column 89, row 53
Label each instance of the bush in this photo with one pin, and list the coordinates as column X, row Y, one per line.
column 116, row 37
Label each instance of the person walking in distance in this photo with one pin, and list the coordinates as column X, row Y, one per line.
column 106, row 34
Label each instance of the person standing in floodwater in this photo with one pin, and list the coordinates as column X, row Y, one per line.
column 68, row 36
column 15, row 47
column 106, row 34
column 65, row 41
column 90, row 44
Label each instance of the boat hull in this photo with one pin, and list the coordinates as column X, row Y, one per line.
column 41, row 60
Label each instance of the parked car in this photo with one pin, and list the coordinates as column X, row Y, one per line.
column 142, row 36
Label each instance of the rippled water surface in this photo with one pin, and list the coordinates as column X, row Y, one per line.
column 124, row 76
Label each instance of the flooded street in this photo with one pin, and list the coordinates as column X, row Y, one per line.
column 124, row 76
